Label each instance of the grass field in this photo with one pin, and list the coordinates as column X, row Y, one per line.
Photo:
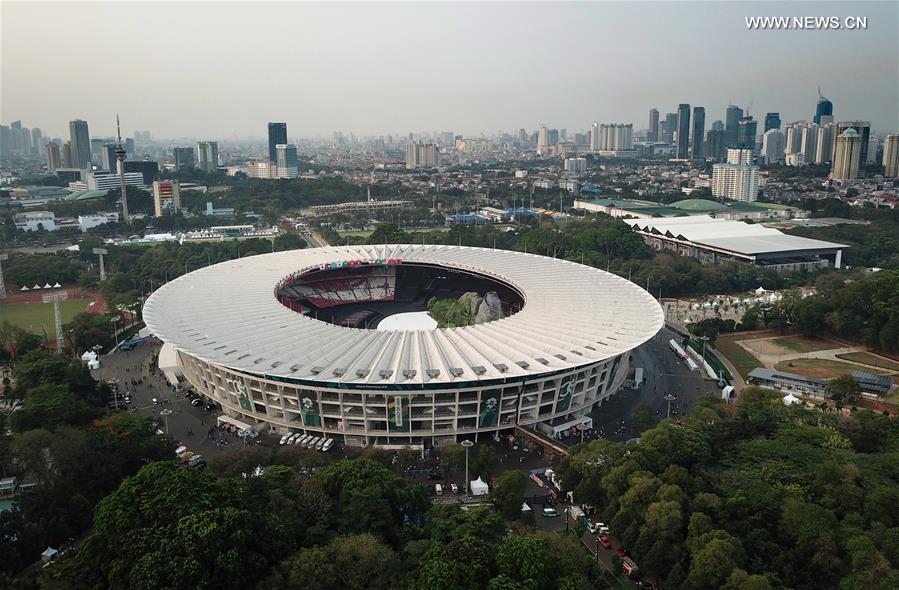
column 34, row 316
column 800, row 344
column 867, row 358
column 821, row 368
column 736, row 354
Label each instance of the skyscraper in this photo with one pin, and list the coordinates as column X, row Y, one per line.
column 184, row 158
column 208, row 156
column 891, row 156
column 81, row 144
column 808, row 143
column 68, row 160
column 53, row 157
column 714, row 144
column 652, row 134
column 542, row 141
column 824, row 150
column 277, row 134
column 746, row 133
column 738, row 179
column 422, row 155
column 288, row 163
column 670, row 127
column 616, row 137
column 847, row 156
column 773, row 146
column 683, row 132
column 37, row 140
column 108, row 157
column 824, row 108
column 5, row 141
column 697, row 151
column 717, row 125
column 772, row 121
column 594, row 137
column 863, row 128
column 732, row 116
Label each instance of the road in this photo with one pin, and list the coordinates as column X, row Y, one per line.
column 312, row 239
column 664, row 373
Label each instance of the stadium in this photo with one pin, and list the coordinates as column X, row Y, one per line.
column 290, row 341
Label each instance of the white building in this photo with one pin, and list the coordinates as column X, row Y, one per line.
column 87, row 222
column 891, row 156
column 288, row 163
column 808, row 144
column 576, row 165
column 616, row 137
column 262, row 169
column 773, row 146
column 422, row 155
column 824, row 151
column 35, row 221
column 738, row 179
column 100, row 181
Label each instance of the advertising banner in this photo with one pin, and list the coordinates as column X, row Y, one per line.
column 309, row 409
column 398, row 409
column 564, row 401
column 242, row 396
column 489, row 412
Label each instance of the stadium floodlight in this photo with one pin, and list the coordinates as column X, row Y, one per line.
column 55, row 298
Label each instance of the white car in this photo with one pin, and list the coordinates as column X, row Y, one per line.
column 310, row 444
column 328, row 444
column 593, row 527
column 300, row 439
column 320, row 444
column 285, row 438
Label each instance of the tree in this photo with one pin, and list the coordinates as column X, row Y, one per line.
column 644, row 419
column 485, row 462
column 844, row 389
column 508, row 493
column 525, row 560
column 87, row 330
column 51, row 406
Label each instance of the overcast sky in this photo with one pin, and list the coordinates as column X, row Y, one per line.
column 222, row 70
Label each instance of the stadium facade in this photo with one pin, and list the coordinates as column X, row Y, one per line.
column 284, row 340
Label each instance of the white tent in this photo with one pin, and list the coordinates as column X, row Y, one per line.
column 36, row 286
column 727, row 393
column 57, row 286
column 759, row 291
column 24, row 288
column 49, row 554
column 48, row 286
column 791, row 399
column 90, row 355
column 525, row 507
column 93, row 365
column 478, row 487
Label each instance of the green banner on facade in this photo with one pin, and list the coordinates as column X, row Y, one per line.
column 564, row 401
column 489, row 415
column 398, row 409
column 309, row 409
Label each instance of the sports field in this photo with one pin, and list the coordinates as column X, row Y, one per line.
column 869, row 359
column 742, row 360
column 35, row 316
column 821, row 368
column 800, row 344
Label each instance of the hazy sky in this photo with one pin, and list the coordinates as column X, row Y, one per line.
column 220, row 70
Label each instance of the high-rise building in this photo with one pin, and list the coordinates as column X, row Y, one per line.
column 773, row 146
column 148, row 169
column 863, row 128
column 81, row 144
column 184, row 158
column 448, row 139
column 68, row 160
column 288, row 163
column 553, row 136
column 616, row 137
column 697, row 150
column 5, row 141
column 732, row 116
column 108, row 157
column 772, row 121
column 847, row 156
column 166, row 197
column 277, row 134
column 717, row 125
column 824, row 108
column 522, row 135
column 652, row 134
column 54, row 160
column 542, row 141
column 97, row 144
column 793, row 140
column 37, row 141
column 824, row 149
column 746, row 133
column 422, row 155
column 670, row 127
column 891, row 156
column 714, row 144
column 681, row 151
column 738, row 179
column 208, row 156
column 576, row 165
column 594, row 137
column 808, row 144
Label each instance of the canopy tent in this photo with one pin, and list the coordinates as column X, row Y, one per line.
column 791, row 399
column 525, row 507
column 48, row 286
column 36, row 286
column 24, row 288
column 57, row 286
column 478, row 487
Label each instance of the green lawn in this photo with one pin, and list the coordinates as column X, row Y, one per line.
column 34, row 316
column 867, row 358
column 736, row 354
column 821, row 368
column 800, row 344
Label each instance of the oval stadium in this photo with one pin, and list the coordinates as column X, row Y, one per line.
column 291, row 340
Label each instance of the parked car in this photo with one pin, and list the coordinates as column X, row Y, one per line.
column 454, row 488
column 285, row 438
column 310, row 444
column 301, row 438
column 320, row 444
column 621, row 553
column 197, row 402
column 328, row 444
column 593, row 527
column 606, row 544
column 550, row 512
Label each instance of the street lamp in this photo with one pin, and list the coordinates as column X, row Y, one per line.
column 704, row 340
column 115, row 329
column 597, row 549
column 669, row 398
column 467, row 444
column 165, row 414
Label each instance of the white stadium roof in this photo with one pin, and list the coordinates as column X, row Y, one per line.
column 573, row 315
column 735, row 236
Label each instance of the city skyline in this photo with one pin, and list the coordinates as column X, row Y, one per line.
column 367, row 88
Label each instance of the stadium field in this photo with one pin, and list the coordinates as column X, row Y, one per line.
column 35, row 316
